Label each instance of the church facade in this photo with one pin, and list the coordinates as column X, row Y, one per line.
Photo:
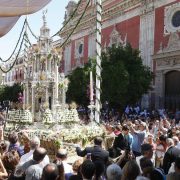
column 152, row 26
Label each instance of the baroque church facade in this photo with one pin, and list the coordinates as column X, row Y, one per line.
column 152, row 26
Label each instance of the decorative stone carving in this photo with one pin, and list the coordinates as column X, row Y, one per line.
column 147, row 6
column 173, row 43
column 168, row 62
column 160, row 48
column 82, row 6
column 168, row 18
column 116, row 38
column 69, row 9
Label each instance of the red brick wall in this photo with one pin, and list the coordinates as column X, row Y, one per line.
column 159, row 29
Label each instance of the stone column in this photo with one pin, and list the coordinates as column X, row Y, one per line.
column 27, row 98
column 57, row 83
column 24, row 97
column 63, row 96
column 49, row 66
column 46, row 65
column 53, row 99
column 159, row 90
column 32, row 73
column 146, row 41
column 38, row 66
column 146, row 37
column 33, row 103
column 47, row 95
column 24, row 91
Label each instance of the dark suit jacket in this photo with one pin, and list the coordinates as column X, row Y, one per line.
column 97, row 153
column 171, row 154
column 120, row 142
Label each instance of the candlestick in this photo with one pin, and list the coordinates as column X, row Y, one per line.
column 57, row 82
column 91, row 87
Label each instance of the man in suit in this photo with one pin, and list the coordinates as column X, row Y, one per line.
column 96, row 152
column 176, row 174
column 171, row 154
column 123, row 141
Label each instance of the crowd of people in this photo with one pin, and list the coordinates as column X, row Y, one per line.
column 136, row 149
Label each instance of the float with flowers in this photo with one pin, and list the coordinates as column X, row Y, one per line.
column 44, row 92
column 63, row 131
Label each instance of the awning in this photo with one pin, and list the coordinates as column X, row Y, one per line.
column 11, row 10
column 6, row 24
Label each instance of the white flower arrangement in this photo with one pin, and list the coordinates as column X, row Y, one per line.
column 47, row 117
column 21, row 116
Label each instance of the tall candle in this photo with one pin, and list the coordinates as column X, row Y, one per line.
column 91, row 87
column 57, row 82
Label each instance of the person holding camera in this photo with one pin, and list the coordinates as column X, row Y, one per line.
column 97, row 152
column 123, row 141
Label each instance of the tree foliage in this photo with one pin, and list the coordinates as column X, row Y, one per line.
column 78, row 86
column 10, row 92
column 124, row 78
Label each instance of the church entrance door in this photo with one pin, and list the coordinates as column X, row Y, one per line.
column 172, row 90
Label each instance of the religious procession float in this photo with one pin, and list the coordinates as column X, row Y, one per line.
column 44, row 112
column 63, row 129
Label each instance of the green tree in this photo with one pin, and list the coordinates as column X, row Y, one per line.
column 10, row 92
column 77, row 90
column 124, row 78
column 2, row 88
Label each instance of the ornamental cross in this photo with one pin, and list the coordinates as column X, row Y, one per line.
column 44, row 14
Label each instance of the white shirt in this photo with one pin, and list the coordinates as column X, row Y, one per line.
column 142, row 178
column 138, row 161
column 67, row 167
column 28, row 156
column 160, row 154
column 171, row 169
column 178, row 145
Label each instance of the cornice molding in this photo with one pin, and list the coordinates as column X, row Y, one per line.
column 166, row 55
column 110, row 13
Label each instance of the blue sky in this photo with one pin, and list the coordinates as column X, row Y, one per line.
column 55, row 16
